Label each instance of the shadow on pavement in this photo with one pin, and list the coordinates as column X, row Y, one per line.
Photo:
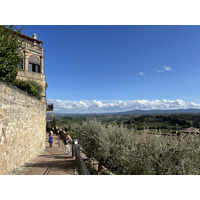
column 58, row 165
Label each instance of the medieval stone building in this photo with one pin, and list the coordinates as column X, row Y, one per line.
column 32, row 65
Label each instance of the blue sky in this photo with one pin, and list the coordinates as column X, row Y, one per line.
column 117, row 68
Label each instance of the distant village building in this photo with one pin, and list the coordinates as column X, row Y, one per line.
column 191, row 130
column 31, row 67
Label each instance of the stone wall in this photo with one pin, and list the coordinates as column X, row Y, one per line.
column 33, row 76
column 22, row 128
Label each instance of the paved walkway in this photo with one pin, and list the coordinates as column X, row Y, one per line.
column 53, row 161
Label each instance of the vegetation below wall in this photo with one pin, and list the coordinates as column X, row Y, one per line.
column 123, row 151
column 31, row 87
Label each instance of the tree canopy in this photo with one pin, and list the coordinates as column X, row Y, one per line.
column 9, row 53
column 125, row 152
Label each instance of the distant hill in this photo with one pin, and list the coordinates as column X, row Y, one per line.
column 147, row 112
column 133, row 112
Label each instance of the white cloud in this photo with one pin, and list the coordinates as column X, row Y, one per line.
column 141, row 74
column 96, row 106
column 166, row 68
column 194, row 105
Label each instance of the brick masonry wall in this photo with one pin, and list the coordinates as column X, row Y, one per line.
column 22, row 128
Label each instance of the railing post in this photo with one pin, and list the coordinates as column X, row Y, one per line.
column 74, row 143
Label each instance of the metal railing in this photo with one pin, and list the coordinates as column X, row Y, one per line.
column 80, row 164
column 81, row 167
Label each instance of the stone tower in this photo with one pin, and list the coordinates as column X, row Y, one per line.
column 31, row 67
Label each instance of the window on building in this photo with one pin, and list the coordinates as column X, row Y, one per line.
column 38, row 69
column 34, row 64
column 30, row 67
column 21, row 64
column 33, row 67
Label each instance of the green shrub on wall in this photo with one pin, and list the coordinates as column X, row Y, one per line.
column 31, row 87
column 39, row 88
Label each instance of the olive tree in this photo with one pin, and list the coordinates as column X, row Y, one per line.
column 123, row 151
column 94, row 138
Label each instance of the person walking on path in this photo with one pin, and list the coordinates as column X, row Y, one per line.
column 51, row 133
column 51, row 138
column 67, row 140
